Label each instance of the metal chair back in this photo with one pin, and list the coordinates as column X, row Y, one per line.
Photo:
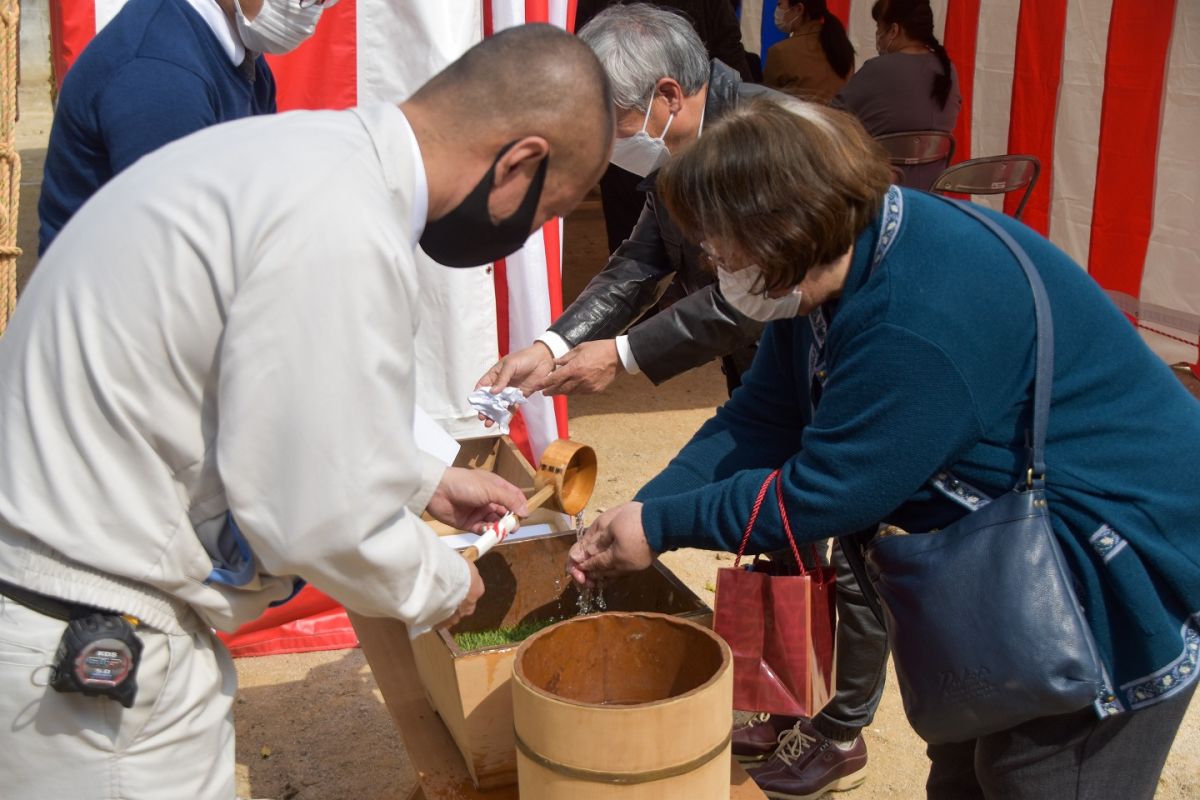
column 992, row 175
column 910, row 148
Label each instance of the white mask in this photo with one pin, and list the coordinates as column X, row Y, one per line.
column 740, row 289
column 641, row 153
column 280, row 27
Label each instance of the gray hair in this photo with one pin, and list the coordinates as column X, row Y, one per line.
column 815, row 113
column 639, row 44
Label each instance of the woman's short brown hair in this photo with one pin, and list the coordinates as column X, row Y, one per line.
column 790, row 184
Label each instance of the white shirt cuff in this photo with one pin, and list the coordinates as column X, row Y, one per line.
column 557, row 344
column 432, row 470
column 625, row 353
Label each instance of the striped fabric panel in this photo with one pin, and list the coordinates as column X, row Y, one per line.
column 1134, row 77
column 322, row 72
column 1077, row 136
column 534, row 273
column 1149, row 249
column 1036, row 77
column 962, row 32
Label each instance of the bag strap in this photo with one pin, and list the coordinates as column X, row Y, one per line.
column 1043, row 375
column 852, row 549
column 787, row 526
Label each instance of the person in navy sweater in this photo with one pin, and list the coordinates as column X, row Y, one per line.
column 159, row 70
column 902, row 347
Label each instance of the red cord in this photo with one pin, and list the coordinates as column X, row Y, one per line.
column 1168, row 335
column 787, row 528
column 758, row 501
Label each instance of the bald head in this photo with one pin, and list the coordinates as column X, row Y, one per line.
column 527, row 80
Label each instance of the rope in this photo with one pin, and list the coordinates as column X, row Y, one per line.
column 10, row 161
column 1194, row 368
column 758, row 501
column 1146, row 327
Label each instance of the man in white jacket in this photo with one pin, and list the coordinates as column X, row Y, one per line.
column 206, row 395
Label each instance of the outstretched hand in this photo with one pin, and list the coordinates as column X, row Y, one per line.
column 467, row 498
column 525, row 369
column 587, row 369
column 613, row 545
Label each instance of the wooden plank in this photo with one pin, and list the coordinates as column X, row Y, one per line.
column 434, row 756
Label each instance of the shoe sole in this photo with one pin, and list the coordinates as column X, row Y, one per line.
column 751, row 759
column 843, row 784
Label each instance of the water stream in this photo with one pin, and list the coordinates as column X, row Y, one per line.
column 591, row 598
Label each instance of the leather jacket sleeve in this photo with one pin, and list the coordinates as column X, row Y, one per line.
column 692, row 332
column 630, row 284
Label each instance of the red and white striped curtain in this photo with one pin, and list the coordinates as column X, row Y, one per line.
column 1106, row 93
column 368, row 51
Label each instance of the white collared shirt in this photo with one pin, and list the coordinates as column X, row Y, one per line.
column 420, row 189
column 253, row 354
column 223, row 28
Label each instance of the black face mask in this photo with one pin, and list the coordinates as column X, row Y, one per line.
column 467, row 237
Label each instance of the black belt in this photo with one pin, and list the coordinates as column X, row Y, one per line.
column 44, row 604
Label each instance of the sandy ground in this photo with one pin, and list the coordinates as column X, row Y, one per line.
column 314, row 726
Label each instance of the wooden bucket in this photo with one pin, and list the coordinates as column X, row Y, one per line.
column 635, row 706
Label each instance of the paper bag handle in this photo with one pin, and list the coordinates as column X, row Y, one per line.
column 787, row 526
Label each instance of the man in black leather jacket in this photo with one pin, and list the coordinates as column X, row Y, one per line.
column 695, row 329
column 717, row 25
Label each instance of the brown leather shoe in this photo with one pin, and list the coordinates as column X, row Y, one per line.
column 807, row 765
column 755, row 742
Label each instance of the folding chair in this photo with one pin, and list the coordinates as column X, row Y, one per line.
column 992, row 175
column 915, row 148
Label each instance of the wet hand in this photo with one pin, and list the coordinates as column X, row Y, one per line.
column 586, row 369
column 613, row 545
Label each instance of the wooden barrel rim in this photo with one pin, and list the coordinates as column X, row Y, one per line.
column 530, row 686
column 621, row 778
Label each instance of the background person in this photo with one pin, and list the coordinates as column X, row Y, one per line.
column 910, row 86
column 194, row 421
column 816, row 59
column 883, row 370
column 159, row 70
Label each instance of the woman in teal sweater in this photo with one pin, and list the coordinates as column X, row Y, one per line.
column 902, row 348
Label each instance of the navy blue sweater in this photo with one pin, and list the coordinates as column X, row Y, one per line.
column 929, row 362
column 154, row 74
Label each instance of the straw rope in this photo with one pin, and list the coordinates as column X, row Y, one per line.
column 10, row 162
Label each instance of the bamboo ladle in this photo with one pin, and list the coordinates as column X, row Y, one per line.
column 564, row 482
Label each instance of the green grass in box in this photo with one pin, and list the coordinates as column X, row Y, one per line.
column 477, row 640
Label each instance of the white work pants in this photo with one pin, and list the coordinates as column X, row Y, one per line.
column 175, row 742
